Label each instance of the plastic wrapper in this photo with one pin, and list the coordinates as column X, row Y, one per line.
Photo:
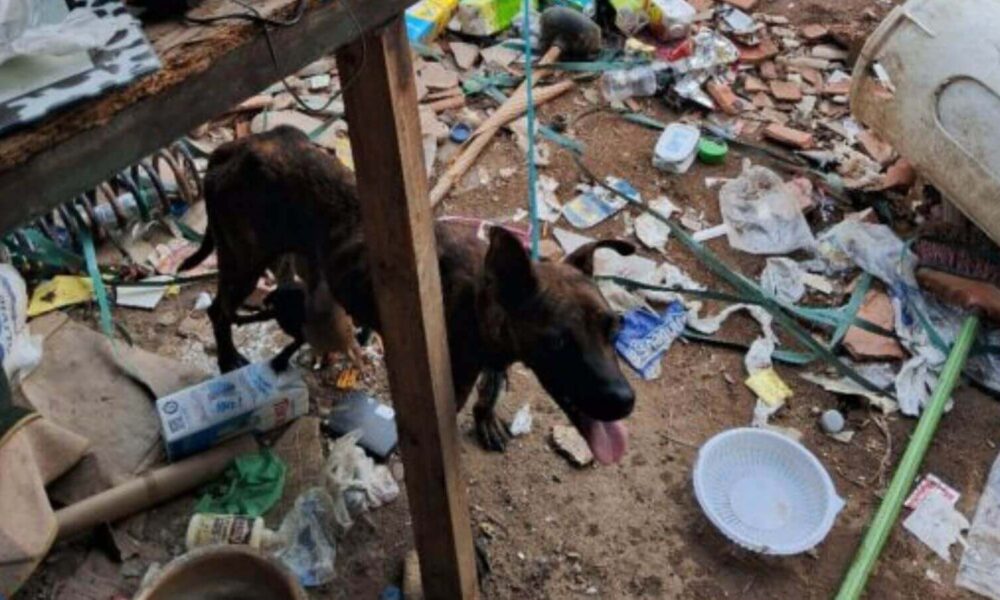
column 646, row 336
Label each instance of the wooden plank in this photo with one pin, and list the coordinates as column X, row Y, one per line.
column 91, row 155
column 381, row 109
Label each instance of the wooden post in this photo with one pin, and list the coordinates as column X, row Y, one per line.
column 381, row 103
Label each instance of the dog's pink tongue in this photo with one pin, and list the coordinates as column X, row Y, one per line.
column 607, row 440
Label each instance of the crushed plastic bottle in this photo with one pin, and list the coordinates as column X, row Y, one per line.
column 629, row 83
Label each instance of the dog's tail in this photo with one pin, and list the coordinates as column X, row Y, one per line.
column 207, row 247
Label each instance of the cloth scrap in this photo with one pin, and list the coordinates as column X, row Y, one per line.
column 251, row 486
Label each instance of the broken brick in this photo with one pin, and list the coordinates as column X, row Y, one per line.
column 788, row 136
column 786, row 91
column 899, row 175
column 752, row 85
column 769, row 70
column 774, row 116
column 814, row 31
column 829, row 52
column 754, row 55
column 744, row 5
column 814, row 77
column 762, row 100
column 861, row 344
column 837, row 88
column 725, row 99
column 875, row 147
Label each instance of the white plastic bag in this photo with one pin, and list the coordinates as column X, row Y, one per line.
column 20, row 352
column 24, row 32
column 783, row 278
column 763, row 216
column 355, row 482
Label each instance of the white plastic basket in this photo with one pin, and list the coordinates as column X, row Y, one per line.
column 765, row 491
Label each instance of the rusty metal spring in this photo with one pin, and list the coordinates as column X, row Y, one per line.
column 137, row 194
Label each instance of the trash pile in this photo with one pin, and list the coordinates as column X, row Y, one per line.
column 141, row 429
column 838, row 291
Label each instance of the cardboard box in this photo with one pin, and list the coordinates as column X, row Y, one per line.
column 253, row 398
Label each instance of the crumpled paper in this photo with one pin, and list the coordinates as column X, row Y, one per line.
column 23, row 31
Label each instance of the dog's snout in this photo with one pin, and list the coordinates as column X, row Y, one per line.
column 622, row 394
column 615, row 401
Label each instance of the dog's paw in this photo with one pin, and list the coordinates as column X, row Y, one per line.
column 492, row 432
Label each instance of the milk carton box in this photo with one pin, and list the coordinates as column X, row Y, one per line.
column 253, row 398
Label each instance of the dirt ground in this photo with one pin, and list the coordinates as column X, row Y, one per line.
column 635, row 530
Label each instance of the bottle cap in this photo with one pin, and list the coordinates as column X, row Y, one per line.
column 712, row 151
column 460, row 132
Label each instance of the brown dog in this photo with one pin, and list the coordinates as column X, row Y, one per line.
column 276, row 193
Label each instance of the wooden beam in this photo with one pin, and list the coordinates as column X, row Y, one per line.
column 58, row 174
column 398, row 225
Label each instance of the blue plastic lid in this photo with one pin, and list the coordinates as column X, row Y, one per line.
column 460, row 132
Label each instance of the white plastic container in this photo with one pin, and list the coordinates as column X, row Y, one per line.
column 677, row 147
column 943, row 101
column 765, row 491
column 670, row 19
column 212, row 530
column 253, row 398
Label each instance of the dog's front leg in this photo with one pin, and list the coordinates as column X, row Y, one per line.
column 492, row 433
column 280, row 362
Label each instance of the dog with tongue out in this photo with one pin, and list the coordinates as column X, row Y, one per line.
column 555, row 320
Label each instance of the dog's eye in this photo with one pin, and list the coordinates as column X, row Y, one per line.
column 558, row 341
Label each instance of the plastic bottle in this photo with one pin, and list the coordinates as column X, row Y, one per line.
column 212, row 530
column 621, row 85
column 106, row 216
column 671, row 19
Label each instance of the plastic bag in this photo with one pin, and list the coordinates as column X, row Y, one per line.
column 355, row 482
column 783, row 279
column 306, row 534
column 20, row 352
column 25, row 32
column 762, row 214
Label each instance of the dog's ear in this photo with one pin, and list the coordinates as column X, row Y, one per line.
column 509, row 267
column 583, row 257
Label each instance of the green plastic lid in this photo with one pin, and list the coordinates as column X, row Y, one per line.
column 712, row 151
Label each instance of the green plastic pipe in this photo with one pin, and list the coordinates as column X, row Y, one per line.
column 892, row 503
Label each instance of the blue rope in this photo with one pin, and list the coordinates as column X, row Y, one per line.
column 532, row 167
